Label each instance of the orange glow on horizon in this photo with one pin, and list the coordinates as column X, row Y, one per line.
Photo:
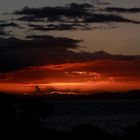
column 70, row 87
column 92, row 76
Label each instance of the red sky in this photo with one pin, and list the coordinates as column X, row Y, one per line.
column 98, row 75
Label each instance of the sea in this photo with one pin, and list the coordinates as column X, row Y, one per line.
column 112, row 116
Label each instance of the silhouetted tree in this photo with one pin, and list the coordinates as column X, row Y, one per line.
column 37, row 90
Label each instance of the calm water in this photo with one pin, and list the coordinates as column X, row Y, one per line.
column 112, row 116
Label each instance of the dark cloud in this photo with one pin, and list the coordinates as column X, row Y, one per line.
column 97, row 70
column 1, row 21
column 122, row 10
column 56, row 11
column 72, row 10
column 38, row 41
column 11, row 24
column 17, row 54
column 36, row 50
column 30, row 19
column 2, row 33
column 102, row 3
column 51, row 41
column 58, row 27
column 99, row 18
column 99, row 55
column 78, row 13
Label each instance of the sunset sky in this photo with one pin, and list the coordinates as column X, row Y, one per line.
column 69, row 46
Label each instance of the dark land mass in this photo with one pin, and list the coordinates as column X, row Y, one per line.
column 129, row 95
column 22, row 116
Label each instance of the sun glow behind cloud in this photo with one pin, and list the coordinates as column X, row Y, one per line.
column 84, row 77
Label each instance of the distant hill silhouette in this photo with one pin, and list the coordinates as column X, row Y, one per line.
column 129, row 95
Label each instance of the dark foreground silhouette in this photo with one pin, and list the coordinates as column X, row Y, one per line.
column 22, row 117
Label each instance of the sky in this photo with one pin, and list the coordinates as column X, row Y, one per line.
column 77, row 46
